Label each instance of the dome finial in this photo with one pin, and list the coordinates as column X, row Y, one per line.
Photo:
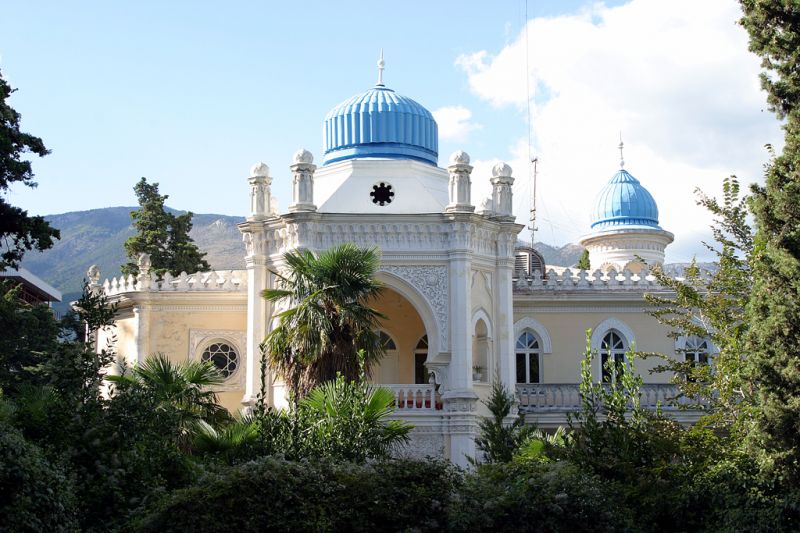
column 621, row 146
column 381, row 64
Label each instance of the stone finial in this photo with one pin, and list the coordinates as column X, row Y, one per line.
column 144, row 263
column 302, row 182
column 502, row 196
column 459, row 157
column 303, row 156
column 260, row 195
column 93, row 274
column 460, row 184
column 501, row 170
column 486, row 206
column 259, row 170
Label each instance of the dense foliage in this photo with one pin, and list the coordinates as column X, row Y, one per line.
column 774, row 307
column 328, row 320
column 19, row 232
column 162, row 235
column 275, row 494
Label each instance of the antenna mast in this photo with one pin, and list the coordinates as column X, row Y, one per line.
column 533, row 159
column 532, row 227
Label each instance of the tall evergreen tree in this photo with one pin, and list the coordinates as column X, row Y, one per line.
column 774, row 307
column 18, row 231
column 162, row 235
column 583, row 263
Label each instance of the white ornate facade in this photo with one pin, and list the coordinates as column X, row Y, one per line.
column 459, row 316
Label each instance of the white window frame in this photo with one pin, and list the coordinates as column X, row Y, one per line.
column 528, row 352
column 596, row 342
column 200, row 339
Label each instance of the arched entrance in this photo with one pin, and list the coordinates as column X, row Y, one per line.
column 404, row 328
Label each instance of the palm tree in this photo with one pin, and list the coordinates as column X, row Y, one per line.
column 328, row 320
column 185, row 389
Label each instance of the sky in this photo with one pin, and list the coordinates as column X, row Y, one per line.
column 192, row 94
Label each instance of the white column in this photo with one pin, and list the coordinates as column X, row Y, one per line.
column 504, row 313
column 460, row 400
column 257, row 307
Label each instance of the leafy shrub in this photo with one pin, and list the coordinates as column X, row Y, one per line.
column 36, row 494
column 537, row 497
column 273, row 494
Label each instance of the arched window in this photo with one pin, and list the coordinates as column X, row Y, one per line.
column 696, row 350
column 529, row 358
column 420, row 356
column 386, row 342
column 612, row 348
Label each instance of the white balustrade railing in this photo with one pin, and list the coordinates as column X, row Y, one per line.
column 215, row 280
column 537, row 397
column 409, row 397
column 583, row 279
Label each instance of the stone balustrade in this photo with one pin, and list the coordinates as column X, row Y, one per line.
column 566, row 397
column 583, row 279
column 215, row 280
column 409, row 397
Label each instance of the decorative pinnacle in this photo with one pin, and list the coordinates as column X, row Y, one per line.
column 381, row 65
column 621, row 146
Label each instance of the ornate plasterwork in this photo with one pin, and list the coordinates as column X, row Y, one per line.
column 200, row 338
column 430, row 281
column 423, row 442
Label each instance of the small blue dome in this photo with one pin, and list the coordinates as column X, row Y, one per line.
column 381, row 123
column 624, row 202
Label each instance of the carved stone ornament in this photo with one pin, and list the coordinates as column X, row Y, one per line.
column 199, row 339
column 93, row 274
column 431, row 281
column 259, row 170
column 459, row 157
column 501, row 170
column 303, row 156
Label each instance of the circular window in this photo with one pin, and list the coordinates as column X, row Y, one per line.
column 223, row 356
column 382, row 194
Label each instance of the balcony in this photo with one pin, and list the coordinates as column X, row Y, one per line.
column 547, row 404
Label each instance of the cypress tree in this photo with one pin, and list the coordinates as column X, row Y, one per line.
column 162, row 235
column 774, row 307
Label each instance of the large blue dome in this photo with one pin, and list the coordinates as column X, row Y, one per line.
column 381, row 123
column 624, row 202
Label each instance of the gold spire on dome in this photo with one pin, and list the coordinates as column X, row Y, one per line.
column 381, row 65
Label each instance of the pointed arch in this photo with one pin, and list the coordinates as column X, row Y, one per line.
column 481, row 314
column 538, row 328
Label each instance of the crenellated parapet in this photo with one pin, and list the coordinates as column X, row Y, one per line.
column 214, row 281
column 571, row 280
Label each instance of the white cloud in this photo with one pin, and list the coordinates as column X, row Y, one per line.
column 675, row 77
column 454, row 122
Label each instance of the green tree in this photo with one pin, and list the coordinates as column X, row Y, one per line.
column 583, row 263
column 774, row 307
column 349, row 421
column 711, row 305
column 330, row 319
column 18, row 231
column 499, row 440
column 184, row 388
column 162, row 235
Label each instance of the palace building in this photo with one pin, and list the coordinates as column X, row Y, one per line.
column 465, row 304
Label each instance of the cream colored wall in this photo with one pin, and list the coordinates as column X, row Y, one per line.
column 405, row 326
column 166, row 324
column 568, row 335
